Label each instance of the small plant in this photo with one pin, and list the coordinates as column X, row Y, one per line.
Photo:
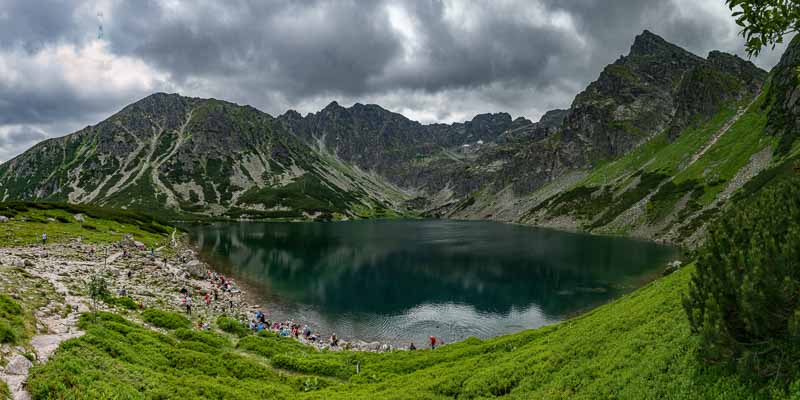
column 98, row 290
column 311, row 384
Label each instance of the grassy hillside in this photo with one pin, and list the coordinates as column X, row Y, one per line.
column 668, row 188
column 636, row 347
column 28, row 220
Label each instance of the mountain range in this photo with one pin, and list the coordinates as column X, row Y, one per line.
column 655, row 147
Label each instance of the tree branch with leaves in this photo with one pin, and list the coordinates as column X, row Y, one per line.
column 765, row 22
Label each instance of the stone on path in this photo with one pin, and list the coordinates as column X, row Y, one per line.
column 18, row 365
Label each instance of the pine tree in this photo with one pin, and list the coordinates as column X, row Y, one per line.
column 744, row 298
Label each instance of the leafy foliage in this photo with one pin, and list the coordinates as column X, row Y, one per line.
column 744, row 300
column 765, row 22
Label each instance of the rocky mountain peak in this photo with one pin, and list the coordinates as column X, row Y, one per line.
column 650, row 44
column 333, row 106
column 737, row 67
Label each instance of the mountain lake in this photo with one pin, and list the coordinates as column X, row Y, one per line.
column 401, row 281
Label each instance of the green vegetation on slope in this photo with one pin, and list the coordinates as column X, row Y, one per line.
column 751, row 264
column 12, row 324
column 101, row 225
column 636, row 347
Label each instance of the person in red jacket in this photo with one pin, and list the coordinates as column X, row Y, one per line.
column 433, row 342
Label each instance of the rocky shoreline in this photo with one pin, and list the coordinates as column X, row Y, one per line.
column 152, row 278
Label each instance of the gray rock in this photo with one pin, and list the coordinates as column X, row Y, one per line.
column 3, row 218
column 195, row 269
column 79, row 217
column 18, row 365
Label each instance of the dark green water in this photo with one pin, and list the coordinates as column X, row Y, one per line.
column 401, row 281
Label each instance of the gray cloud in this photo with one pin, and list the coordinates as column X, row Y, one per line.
column 15, row 139
column 432, row 60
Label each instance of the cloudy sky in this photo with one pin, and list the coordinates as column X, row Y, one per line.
column 68, row 64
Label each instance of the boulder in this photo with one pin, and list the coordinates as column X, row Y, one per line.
column 51, row 219
column 79, row 217
column 195, row 269
column 3, row 218
column 672, row 267
column 18, row 365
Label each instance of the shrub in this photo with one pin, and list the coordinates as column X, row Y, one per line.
column 7, row 333
column 165, row 319
column 11, row 323
column 233, row 326
column 743, row 300
column 122, row 301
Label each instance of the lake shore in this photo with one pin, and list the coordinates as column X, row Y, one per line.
column 150, row 280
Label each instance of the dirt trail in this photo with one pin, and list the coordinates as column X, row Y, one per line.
column 52, row 329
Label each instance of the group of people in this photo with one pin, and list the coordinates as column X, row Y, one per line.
column 289, row 329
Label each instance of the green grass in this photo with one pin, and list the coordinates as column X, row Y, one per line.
column 102, row 225
column 637, row 347
column 21, row 294
column 118, row 359
column 629, row 163
column 12, row 322
column 731, row 152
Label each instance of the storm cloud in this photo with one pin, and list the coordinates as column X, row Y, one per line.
column 64, row 65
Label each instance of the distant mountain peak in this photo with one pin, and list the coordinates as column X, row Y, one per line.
column 333, row 105
column 649, row 44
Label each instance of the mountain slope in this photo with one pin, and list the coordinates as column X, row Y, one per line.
column 653, row 148
column 187, row 155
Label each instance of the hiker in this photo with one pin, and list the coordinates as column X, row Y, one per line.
column 207, row 299
column 189, row 305
column 184, row 292
column 433, row 342
column 334, row 340
column 44, row 238
column 412, row 347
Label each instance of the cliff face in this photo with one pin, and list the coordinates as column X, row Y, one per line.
column 784, row 99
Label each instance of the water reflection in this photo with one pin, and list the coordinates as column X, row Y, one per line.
column 391, row 280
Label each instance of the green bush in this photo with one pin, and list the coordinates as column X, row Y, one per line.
column 165, row 319
column 122, row 301
column 233, row 326
column 11, row 322
column 7, row 333
column 744, row 299
column 4, row 392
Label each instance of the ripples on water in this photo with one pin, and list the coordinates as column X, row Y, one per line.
column 401, row 281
